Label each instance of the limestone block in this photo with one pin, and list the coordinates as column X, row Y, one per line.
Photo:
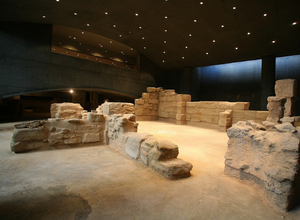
column 146, row 146
column 163, row 114
column 190, row 105
column 68, row 110
column 153, row 113
column 285, row 127
column 289, row 107
column 139, row 101
column 180, row 117
column 244, row 114
column 91, row 138
column 56, row 136
column 234, row 105
column 210, row 112
column 169, row 98
column 169, row 92
column 164, row 150
column 53, row 110
column 133, row 144
column 210, row 119
column 32, row 124
column 208, row 104
column 153, row 89
column 188, row 117
column 162, row 99
column 130, row 117
column 275, row 107
column 183, row 98
column 139, row 112
column 196, row 118
column 95, row 117
column 225, row 122
column 153, row 95
column 154, row 101
column 172, row 169
column 267, row 158
column 181, row 110
column 30, row 134
column 286, row 88
column 262, row 115
column 110, row 108
column 145, row 95
column 25, row 146
column 161, row 93
column 75, row 140
column 181, row 122
column 172, row 115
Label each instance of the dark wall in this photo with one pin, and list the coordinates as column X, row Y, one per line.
column 27, row 65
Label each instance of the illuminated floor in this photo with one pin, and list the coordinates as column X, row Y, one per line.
column 100, row 183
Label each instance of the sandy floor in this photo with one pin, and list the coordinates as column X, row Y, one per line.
column 100, row 183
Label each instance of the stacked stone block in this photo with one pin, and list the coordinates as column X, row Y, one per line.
column 111, row 123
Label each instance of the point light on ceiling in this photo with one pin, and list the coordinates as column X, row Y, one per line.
column 165, row 42
column 110, row 42
column 201, row 3
column 206, row 53
column 186, row 47
column 195, row 20
column 106, row 13
column 44, row 16
column 136, row 14
column 166, row 30
column 248, row 33
column 164, row 51
column 57, row 0
column 88, row 25
column 190, row 35
column 236, row 48
column 82, row 32
column 71, row 91
column 163, row 61
column 273, row 42
column 265, row 15
column 114, row 25
column 214, row 41
column 294, row 23
column 120, row 35
column 140, row 27
column 145, row 48
column 222, row 25
column 234, row 8
column 182, row 58
column 75, row 13
column 166, row 17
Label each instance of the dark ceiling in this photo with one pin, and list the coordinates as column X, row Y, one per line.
column 176, row 33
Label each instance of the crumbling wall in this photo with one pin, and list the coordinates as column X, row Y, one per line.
column 178, row 108
column 111, row 123
column 268, row 155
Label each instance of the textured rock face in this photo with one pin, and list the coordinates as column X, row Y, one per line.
column 267, row 158
column 275, row 107
column 110, row 108
column 66, row 110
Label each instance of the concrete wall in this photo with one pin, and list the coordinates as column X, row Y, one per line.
column 27, row 65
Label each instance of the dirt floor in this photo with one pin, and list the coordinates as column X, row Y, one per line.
column 100, row 183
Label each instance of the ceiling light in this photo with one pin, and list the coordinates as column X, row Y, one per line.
column 88, row 25
column 294, row 23
column 105, row 51
column 234, row 8
column 75, row 13
column 88, row 49
column 166, row 17
column 106, row 13
column 201, row 3
column 59, row 42
column 136, row 14
column 71, row 90
column 236, row 48
column 140, row 27
column 114, row 26
column 214, row 41
column 57, row 0
column 44, row 16
column 145, row 48
column 143, row 38
column 82, row 32
column 166, row 30
column 186, row 47
column 120, row 35
column 222, row 25
column 74, row 38
column 182, row 58
column 248, row 33
column 80, row 43
column 265, row 15
column 190, row 35
column 110, row 41
column 273, row 42
column 163, row 61
column 78, row 55
column 164, row 51
column 165, row 42
column 206, row 53
column 131, row 48
column 195, row 20
column 70, row 36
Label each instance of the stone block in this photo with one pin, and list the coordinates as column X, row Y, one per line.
column 133, row 144
column 139, row 112
column 91, row 138
column 110, row 108
column 30, row 134
column 191, row 104
column 153, row 95
column 139, row 101
column 205, row 104
column 234, row 105
column 244, row 114
column 210, row 119
column 289, row 107
column 262, row 115
column 169, row 92
column 183, row 98
column 286, row 88
column 153, row 101
column 153, row 89
column 164, row 150
column 95, row 117
column 75, row 140
column 188, row 117
column 225, row 122
column 196, row 118
column 67, row 110
column 180, row 117
column 25, row 146
column 172, row 169
column 275, row 107
column 181, row 122
column 145, row 95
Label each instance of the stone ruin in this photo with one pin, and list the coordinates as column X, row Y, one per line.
column 111, row 124
column 268, row 155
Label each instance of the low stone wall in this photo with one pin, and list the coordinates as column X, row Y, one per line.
column 166, row 105
column 269, row 159
column 112, row 123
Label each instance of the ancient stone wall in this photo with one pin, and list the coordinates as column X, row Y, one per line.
column 166, row 105
column 111, row 123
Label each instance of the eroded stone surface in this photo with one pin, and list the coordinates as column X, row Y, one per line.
column 110, row 108
column 276, row 108
column 267, row 158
